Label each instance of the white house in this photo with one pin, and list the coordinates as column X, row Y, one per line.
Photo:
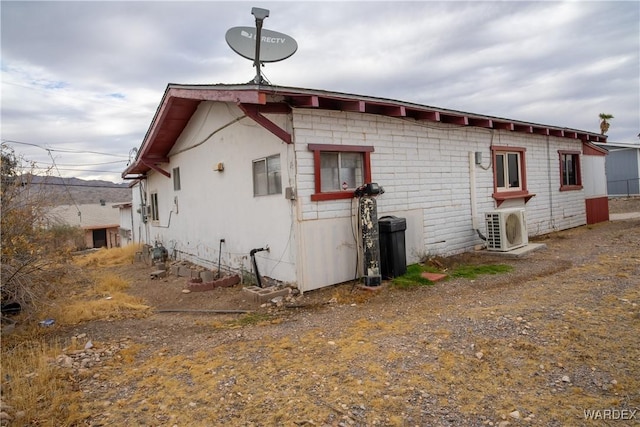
column 224, row 169
column 98, row 221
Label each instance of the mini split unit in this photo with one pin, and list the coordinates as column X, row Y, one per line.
column 506, row 230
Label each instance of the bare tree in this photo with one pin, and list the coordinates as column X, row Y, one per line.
column 29, row 266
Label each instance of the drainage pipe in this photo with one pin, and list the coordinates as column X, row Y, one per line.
column 255, row 264
column 219, row 256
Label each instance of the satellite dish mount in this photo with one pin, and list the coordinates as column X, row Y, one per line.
column 260, row 45
column 260, row 15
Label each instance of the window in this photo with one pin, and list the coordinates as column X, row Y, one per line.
column 176, row 179
column 339, row 170
column 509, row 173
column 570, row 177
column 155, row 216
column 266, row 176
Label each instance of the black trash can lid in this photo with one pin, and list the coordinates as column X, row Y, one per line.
column 392, row 223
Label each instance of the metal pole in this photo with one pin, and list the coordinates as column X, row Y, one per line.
column 256, row 61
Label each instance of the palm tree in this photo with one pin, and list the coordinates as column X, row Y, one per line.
column 604, row 124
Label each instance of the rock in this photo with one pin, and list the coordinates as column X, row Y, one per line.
column 88, row 345
column 479, row 355
column 566, row 379
column 5, row 417
column 515, row 414
column 503, row 423
column 186, row 291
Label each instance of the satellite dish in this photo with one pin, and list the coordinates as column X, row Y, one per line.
column 274, row 46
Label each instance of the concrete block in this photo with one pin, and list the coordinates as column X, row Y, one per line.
column 158, row 274
column 261, row 295
column 207, row 276
column 184, row 271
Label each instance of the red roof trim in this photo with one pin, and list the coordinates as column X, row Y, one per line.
column 181, row 101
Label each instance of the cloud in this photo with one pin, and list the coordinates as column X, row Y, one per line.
column 91, row 74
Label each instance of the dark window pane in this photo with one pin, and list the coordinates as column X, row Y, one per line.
column 500, row 170
column 514, row 170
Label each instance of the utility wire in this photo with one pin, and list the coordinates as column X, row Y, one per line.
column 79, row 185
column 61, row 150
column 65, row 186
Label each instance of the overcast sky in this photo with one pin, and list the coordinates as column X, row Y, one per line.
column 82, row 77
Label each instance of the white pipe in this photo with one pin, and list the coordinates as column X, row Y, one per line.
column 472, row 188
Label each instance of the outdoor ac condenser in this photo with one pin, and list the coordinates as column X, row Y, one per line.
column 506, row 229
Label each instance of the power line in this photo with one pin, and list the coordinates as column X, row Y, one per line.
column 78, row 170
column 78, row 185
column 61, row 150
column 65, row 186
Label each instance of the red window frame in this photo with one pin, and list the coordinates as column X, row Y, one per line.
column 366, row 151
column 576, row 162
column 502, row 195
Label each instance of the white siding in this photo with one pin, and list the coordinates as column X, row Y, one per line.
column 213, row 205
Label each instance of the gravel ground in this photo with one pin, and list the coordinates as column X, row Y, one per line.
column 550, row 343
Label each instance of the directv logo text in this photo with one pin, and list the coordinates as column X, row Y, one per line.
column 610, row 414
column 264, row 39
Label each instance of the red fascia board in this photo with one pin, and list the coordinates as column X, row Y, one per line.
column 305, row 101
column 523, row 128
column 503, row 125
column 433, row 116
column 453, row 119
column 245, row 96
column 479, row 122
column 356, row 106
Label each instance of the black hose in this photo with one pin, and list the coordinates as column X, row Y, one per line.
column 255, row 264
column 219, row 256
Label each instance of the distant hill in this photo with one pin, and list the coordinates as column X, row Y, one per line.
column 69, row 191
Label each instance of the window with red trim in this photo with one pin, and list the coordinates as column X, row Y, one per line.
column 570, row 176
column 339, row 170
column 509, row 173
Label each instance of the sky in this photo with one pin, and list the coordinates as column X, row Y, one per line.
column 81, row 80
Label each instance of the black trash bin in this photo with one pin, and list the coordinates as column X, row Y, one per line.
column 393, row 257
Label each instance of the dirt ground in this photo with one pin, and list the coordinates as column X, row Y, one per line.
column 554, row 342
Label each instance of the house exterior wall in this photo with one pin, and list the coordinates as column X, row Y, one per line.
column 212, row 205
column 126, row 226
column 426, row 171
column 594, row 180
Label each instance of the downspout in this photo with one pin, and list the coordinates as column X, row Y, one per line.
column 472, row 185
column 473, row 195
column 551, row 220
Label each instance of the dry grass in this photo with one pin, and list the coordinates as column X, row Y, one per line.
column 109, row 257
column 41, row 392
column 37, row 390
column 391, row 365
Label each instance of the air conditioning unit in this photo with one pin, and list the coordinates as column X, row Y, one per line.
column 506, row 229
